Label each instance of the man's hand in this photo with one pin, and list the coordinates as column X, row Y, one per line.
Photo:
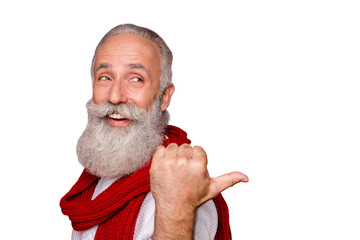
column 180, row 183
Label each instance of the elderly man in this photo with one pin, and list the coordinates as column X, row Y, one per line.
column 142, row 179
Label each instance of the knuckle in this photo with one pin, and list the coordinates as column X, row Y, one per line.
column 199, row 149
column 182, row 160
column 198, row 165
column 185, row 146
column 160, row 148
column 200, row 159
column 172, row 145
column 159, row 151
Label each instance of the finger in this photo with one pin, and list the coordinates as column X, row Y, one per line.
column 157, row 157
column 225, row 181
column 171, row 151
column 199, row 154
column 159, row 152
column 185, row 151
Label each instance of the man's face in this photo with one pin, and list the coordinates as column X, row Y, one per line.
column 127, row 70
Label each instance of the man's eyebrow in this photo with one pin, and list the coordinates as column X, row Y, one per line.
column 137, row 66
column 103, row 65
column 128, row 66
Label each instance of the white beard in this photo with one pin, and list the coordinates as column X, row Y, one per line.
column 112, row 152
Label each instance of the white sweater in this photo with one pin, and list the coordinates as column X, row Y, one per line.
column 206, row 219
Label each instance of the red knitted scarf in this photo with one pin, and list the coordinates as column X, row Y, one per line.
column 115, row 210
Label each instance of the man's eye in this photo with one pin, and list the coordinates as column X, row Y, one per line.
column 137, row 79
column 103, row 78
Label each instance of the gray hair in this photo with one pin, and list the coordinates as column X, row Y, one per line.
column 166, row 54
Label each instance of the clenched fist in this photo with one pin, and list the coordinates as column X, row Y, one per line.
column 180, row 182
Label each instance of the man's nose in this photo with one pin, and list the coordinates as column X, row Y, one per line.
column 118, row 93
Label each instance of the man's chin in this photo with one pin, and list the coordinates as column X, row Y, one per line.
column 114, row 146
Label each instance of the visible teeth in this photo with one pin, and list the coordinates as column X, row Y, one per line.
column 116, row 116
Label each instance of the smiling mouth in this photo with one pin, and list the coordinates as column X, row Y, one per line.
column 117, row 117
column 117, row 120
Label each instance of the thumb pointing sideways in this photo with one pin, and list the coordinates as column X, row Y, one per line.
column 225, row 181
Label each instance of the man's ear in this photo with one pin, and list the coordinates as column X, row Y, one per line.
column 167, row 97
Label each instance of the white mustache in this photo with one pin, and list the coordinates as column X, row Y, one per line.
column 127, row 110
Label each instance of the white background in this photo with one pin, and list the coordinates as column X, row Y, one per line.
column 269, row 88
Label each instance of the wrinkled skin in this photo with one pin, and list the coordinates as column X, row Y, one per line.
column 180, row 182
column 128, row 69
